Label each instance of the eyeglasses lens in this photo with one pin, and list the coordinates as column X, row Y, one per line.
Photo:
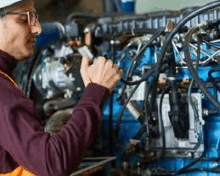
column 33, row 18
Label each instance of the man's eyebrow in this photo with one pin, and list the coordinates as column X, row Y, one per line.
column 28, row 10
column 33, row 10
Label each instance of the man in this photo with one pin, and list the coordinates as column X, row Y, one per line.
column 23, row 142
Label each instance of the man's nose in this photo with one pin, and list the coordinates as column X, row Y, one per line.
column 36, row 28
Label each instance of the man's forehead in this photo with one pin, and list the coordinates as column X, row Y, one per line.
column 28, row 6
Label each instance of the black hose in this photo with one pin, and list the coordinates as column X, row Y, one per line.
column 34, row 63
column 123, row 108
column 148, row 73
column 201, row 170
column 168, row 40
column 139, row 56
column 208, row 170
column 192, row 82
column 145, row 76
column 162, row 124
column 186, row 168
column 147, row 111
column 195, row 76
column 124, row 81
column 137, row 59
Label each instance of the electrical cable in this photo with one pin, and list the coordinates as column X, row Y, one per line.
column 188, row 166
column 201, row 170
column 145, row 76
column 147, row 108
column 124, row 85
column 146, row 112
column 123, row 108
column 193, row 71
column 214, row 170
column 191, row 84
column 124, row 81
column 138, row 57
column 163, row 51
column 148, row 73
column 168, row 40
column 190, row 100
column 187, row 169
column 144, row 127
column 160, row 62
column 161, row 122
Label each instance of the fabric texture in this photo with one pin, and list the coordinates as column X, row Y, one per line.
column 23, row 141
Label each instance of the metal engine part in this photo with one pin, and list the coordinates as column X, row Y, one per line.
column 182, row 147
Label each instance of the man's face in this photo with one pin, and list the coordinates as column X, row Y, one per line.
column 17, row 37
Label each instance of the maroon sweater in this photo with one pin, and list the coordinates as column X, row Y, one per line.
column 23, row 140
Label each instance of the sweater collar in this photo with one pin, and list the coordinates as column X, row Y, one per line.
column 7, row 63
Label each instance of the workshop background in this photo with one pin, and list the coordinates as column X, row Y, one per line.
column 163, row 117
column 58, row 10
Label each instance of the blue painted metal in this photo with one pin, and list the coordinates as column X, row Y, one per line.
column 51, row 34
column 130, row 126
column 128, row 6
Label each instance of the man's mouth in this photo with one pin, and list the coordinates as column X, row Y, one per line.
column 32, row 42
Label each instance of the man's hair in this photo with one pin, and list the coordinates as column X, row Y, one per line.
column 3, row 12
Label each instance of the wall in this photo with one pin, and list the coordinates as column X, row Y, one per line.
column 143, row 6
column 58, row 10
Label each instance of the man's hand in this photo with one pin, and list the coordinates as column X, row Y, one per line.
column 103, row 73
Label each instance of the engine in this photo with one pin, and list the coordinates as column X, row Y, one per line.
column 163, row 117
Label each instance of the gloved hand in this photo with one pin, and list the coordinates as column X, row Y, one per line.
column 103, row 73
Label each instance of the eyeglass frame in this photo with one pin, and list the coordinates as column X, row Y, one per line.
column 36, row 16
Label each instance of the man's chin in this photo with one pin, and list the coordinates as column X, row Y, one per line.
column 26, row 55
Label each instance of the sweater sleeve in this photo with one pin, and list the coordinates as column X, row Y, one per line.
column 22, row 135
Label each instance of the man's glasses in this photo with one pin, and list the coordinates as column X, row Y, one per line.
column 32, row 16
